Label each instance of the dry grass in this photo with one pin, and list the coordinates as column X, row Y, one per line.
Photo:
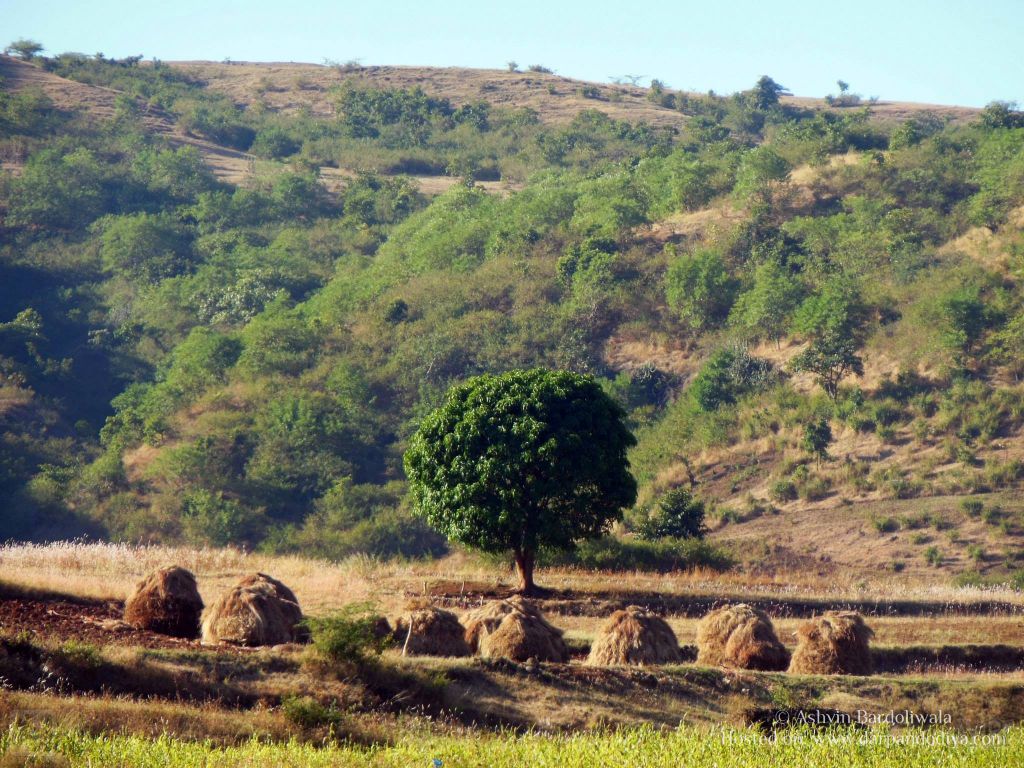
column 110, row 571
column 167, row 601
column 740, row 636
column 837, row 643
column 634, row 636
column 521, row 636
column 258, row 610
column 431, row 632
column 485, row 619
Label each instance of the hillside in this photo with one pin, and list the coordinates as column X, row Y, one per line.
column 232, row 290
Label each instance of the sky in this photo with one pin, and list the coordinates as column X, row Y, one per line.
column 936, row 51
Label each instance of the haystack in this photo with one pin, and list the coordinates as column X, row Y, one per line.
column 634, row 636
column 258, row 610
column 485, row 619
column 740, row 636
column 835, row 643
column 431, row 632
column 522, row 636
column 167, row 601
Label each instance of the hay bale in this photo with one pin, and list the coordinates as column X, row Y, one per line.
column 634, row 636
column 740, row 636
column 258, row 610
column 167, row 601
column 521, row 636
column 835, row 643
column 485, row 619
column 431, row 632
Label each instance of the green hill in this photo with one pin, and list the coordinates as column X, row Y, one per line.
column 228, row 293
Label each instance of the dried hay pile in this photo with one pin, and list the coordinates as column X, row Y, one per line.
column 431, row 632
column 258, row 610
column 521, row 635
column 634, row 636
column 485, row 619
column 835, row 643
column 167, row 601
column 740, row 636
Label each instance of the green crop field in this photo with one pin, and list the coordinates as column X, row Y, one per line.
column 643, row 748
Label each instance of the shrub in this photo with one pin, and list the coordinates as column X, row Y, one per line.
column 933, row 556
column 663, row 555
column 307, row 712
column 972, row 507
column 350, row 636
column 783, row 490
column 992, row 515
column 886, row 524
column 680, row 515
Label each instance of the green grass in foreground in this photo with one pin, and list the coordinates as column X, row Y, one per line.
column 641, row 748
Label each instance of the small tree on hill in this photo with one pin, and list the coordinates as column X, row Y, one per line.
column 24, row 49
column 680, row 515
column 766, row 92
column 817, row 436
column 833, row 322
column 523, row 460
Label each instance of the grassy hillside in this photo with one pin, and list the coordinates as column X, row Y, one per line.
column 229, row 292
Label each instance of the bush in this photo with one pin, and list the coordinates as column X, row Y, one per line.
column 728, row 375
column 783, row 490
column 680, row 515
column 933, row 556
column 972, row 507
column 348, row 637
column 307, row 712
column 886, row 524
column 617, row 554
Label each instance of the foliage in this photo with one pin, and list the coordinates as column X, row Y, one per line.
column 350, row 636
column 700, row 288
column 522, row 460
column 816, row 438
column 680, row 515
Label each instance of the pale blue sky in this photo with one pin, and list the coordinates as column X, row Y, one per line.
column 942, row 51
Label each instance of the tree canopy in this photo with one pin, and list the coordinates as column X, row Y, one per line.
column 522, row 460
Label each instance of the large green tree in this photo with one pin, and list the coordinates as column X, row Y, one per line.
column 522, row 460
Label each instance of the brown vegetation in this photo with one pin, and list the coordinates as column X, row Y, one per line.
column 431, row 632
column 485, row 619
column 740, row 636
column 836, row 643
column 522, row 636
column 634, row 636
column 168, row 602
column 259, row 610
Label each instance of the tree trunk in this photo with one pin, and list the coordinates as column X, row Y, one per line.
column 524, row 570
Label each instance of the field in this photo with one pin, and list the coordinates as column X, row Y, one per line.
column 113, row 695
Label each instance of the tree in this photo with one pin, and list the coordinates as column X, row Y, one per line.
column 147, row 246
column 699, row 287
column 817, row 436
column 766, row 92
column 965, row 319
column 766, row 308
column 522, row 460
column 680, row 515
column 832, row 321
column 24, row 49
column 761, row 170
column 831, row 358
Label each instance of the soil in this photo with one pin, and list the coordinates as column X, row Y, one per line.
column 97, row 623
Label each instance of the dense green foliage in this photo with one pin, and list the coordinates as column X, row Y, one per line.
column 186, row 360
column 520, row 461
